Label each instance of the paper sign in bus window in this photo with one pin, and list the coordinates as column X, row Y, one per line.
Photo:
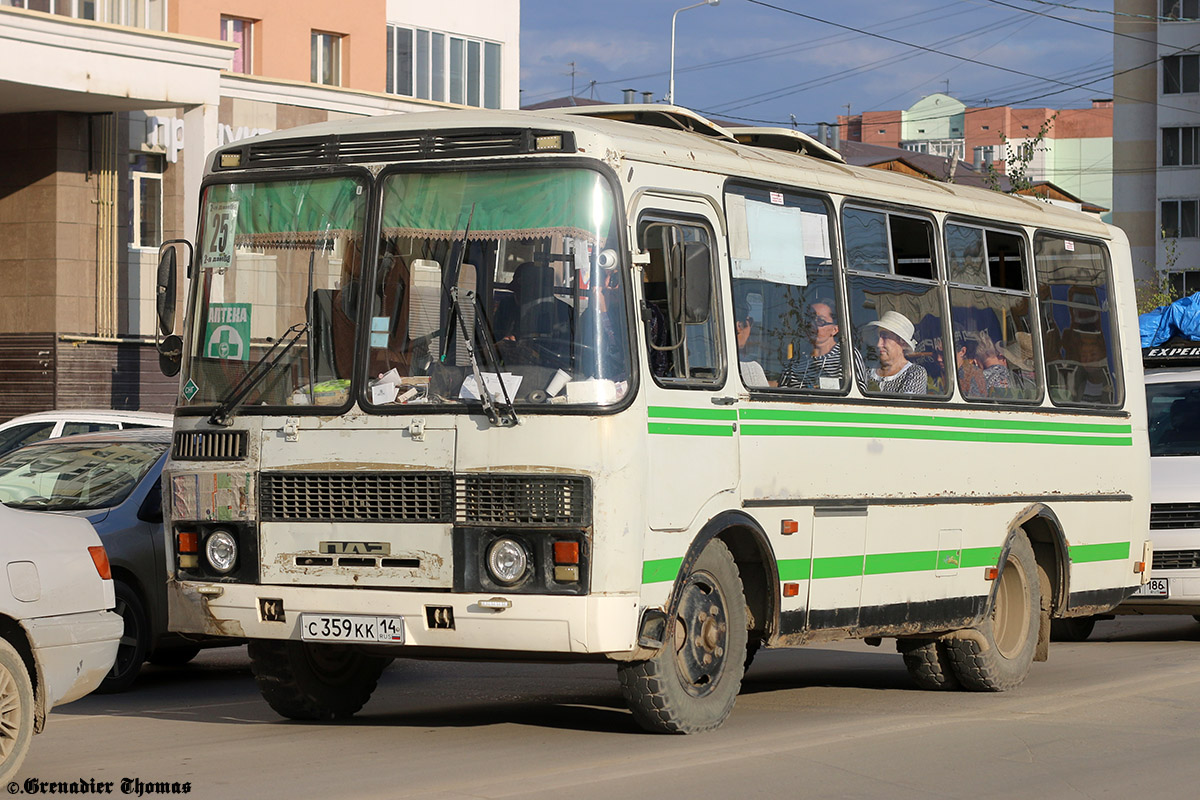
column 227, row 334
column 776, row 242
column 219, row 230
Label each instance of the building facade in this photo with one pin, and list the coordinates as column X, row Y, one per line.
column 1075, row 153
column 107, row 110
column 1156, row 137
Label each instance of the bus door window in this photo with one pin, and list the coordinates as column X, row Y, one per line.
column 990, row 314
column 681, row 318
column 895, row 305
column 1078, row 335
column 782, row 277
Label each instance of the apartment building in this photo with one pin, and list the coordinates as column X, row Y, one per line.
column 1156, row 137
column 1075, row 154
column 107, row 110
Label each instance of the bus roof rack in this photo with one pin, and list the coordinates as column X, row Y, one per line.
column 787, row 139
column 655, row 115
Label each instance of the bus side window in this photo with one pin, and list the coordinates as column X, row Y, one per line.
column 782, row 276
column 681, row 318
column 895, row 303
column 990, row 311
column 1079, row 340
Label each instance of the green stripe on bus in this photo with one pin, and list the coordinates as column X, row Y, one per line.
column 1084, row 553
column 661, row 569
column 800, row 569
column 673, row 412
column 755, row 429
column 794, row 569
column 689, row 429
column 980, row 557
column 837, row 567
column 887, row 563
column 883, row 418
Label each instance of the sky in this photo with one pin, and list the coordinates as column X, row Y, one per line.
column 801, row 62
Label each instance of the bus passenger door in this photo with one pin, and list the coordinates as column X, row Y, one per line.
column 692, row 447
column 839, row 541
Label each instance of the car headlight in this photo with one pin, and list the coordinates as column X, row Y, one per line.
column 220, row 549
column 507, row 561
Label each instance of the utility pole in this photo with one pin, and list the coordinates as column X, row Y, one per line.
column 571, row 64
column 947, row 82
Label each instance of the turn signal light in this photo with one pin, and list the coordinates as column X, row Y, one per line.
column 991, row 573
column 189, row 542
column 1139, row 567
column 791, row 589
column 789, row 526
column 100, row 559
column 566, row 552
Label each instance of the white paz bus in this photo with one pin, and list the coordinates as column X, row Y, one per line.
column 618, row 384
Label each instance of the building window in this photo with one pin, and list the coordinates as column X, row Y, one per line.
column 327, row 58
column 134, row 13
column 1185, row 283
column 1181, row 9
column 145, row 200
column 1181, row 74
column 241, row 33
column 1179, row 219
column 1180, row 147
column 437, row 66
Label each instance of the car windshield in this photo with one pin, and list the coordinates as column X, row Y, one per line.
column 69, row 476
column 1174, row 418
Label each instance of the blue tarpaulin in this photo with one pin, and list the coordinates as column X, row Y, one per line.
column 1181, row 318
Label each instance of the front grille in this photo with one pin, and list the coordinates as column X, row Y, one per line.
column 1176, row 559
column 209, row 446
column 1165, row 516
column 525, row 500
column 363, row 148
column 356, row 497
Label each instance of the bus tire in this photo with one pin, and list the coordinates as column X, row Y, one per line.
column 691, row 684
column 305, row 681
column 929, row 664
column 1010, row 628
column 1072, row 629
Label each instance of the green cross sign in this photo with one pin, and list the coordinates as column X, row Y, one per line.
column 227, row 334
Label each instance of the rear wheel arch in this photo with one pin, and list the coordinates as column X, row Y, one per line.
column 1044, row 531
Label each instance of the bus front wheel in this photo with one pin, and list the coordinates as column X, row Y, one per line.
column 691, row 684
column 1010, row 628
column 306, row 681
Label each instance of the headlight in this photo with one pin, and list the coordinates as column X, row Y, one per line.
column 221, row 551
column 507, row 561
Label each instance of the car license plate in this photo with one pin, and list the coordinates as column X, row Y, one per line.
column 1155, row 587
column 346, row 628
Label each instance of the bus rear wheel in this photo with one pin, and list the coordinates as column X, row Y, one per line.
column 929, row 664
column 1010, row 628
column 691, row 684
column 306, row 681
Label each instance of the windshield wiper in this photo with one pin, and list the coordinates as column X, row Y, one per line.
column 504, row 415
column 223, row 413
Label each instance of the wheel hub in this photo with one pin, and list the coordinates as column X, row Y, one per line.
column 701, row 629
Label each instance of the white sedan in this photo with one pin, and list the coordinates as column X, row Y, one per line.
column 58, row 634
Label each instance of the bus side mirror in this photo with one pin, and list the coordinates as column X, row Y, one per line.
column 164, row 288
column 697, row 283
column 170, row 355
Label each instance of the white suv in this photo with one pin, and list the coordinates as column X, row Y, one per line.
column 21, row 431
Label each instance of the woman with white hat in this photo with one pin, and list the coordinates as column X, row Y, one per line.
column 895, row 373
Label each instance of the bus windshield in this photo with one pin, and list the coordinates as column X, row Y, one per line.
column 509, row 276
column 1173, row 417
column 278, row 263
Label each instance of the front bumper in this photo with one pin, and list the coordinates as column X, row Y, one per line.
column 73, row 652
column 531, row 623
